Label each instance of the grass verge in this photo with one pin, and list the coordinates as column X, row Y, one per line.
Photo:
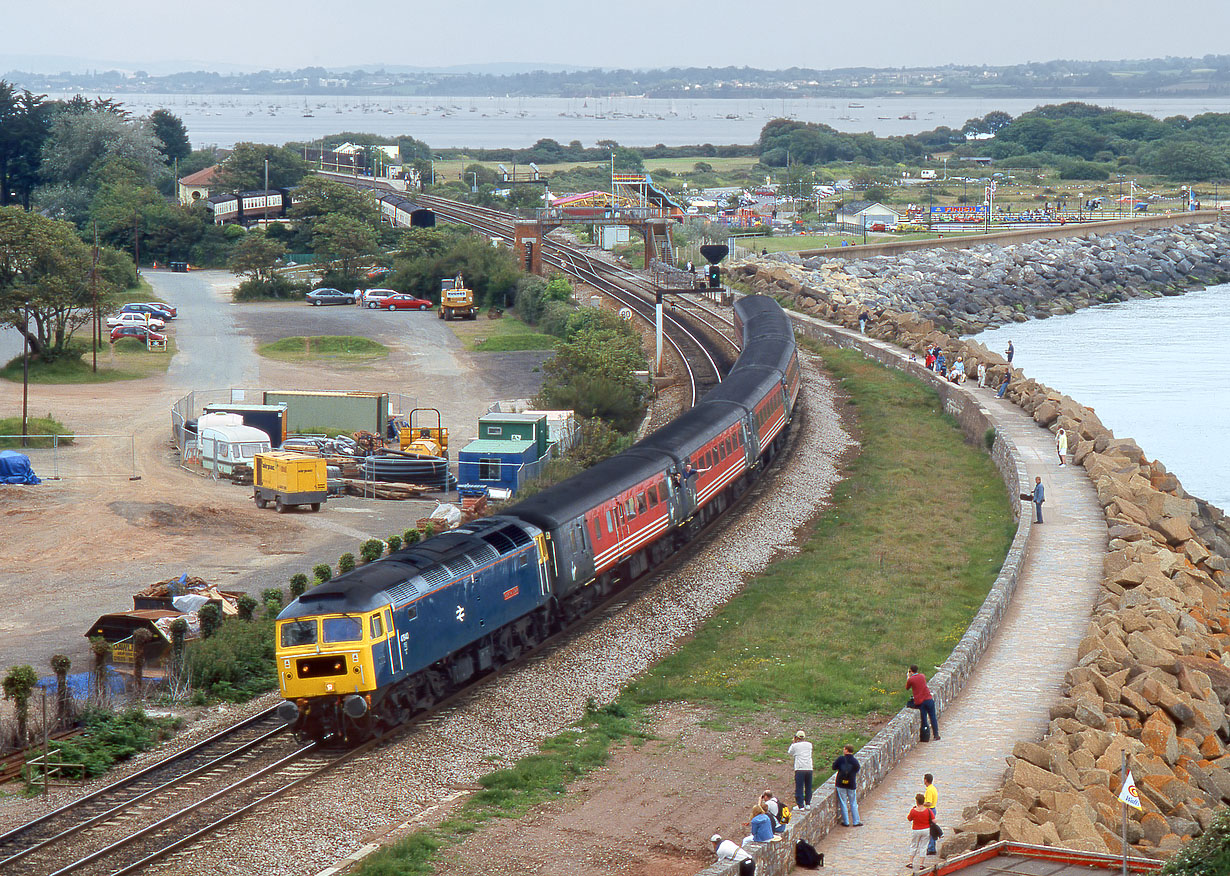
column 503, row 335
column 142, row 292
column 34, row 426
column 890, row 575
column 128, row 359
column 345, row 348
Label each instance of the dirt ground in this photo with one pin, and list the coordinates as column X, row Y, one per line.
column 76, row 548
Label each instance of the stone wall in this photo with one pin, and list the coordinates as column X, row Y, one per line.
column 896, row 738
column 1153, row 677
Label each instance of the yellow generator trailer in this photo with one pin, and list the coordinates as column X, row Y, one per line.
column 456, row 301
column 287, row 478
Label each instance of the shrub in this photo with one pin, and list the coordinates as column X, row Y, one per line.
column 323, row 572
column 411, row 536
column 272, row 596
column 111, row 737
column 237, row 662
column 371, row 550
column 429, row 529
column 1207, row 854
column 247, row 607
column 211, row 619
column 298, row 584
column 394, row 542
column 989, row 438
column 345, row 563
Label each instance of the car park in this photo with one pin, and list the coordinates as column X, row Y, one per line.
column 127, row 317
column 142, row 333
column 153, row 308
column 367, row 296
column 325, row 295
column 399, row 301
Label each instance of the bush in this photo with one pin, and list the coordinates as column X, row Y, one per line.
column 394, row 543
column 371, row 550
column 989, row 438
column 272, row 596
column 211, row 619
column 323, row 572
column 277, row 289
column 247, row 607
column 429, row 529
column 345, row 563
column 298, row 584
column 112, row 737
column 411, row 536
column 237, row 662
column 1206, row 855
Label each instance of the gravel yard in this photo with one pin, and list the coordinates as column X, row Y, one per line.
column 440, row 758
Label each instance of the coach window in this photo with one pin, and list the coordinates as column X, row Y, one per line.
column 653, row 495
column 610, row 525
column 640, row 504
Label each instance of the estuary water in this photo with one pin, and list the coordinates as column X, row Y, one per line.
column 494, row 122
column 1155, row 370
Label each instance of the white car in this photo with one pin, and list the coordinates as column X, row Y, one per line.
column 129, row 318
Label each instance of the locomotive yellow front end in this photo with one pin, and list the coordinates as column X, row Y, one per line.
column 326, row 671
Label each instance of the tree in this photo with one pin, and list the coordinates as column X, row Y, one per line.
column 320, row 196
column 60, row 665
column 211, row 619
column 79, row 143
column 101, row 649
column 343, row 240
column 244, row 170
column 24, row 125
column 256, row 257
column 171, row 134
column 140, row 638
column 18, row 686
column 44, row 280
column 592, row 373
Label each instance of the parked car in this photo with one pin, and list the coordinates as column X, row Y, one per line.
column 140, row 332
column 127, row 317
column 398, row 301
column 367, row 296
column 325, row 295
column 162, row 311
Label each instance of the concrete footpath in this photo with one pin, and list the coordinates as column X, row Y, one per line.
column 1008, row 697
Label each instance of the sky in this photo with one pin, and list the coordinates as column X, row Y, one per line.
column 226, row 35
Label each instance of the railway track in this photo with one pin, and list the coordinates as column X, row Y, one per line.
column 151, row 811
column 701, row 338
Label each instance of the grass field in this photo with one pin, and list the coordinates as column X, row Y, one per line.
column 335, row 348
column 501, row 335
column 890, row 575
column 126, row 360
column 34, row 426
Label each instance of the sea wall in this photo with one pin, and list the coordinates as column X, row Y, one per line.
column 1153, row 677
column 886, row 749
column 967, row 290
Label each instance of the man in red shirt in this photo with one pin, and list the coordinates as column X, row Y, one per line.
column 921, row 699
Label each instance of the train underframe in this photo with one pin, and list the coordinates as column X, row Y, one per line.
column 342, row 720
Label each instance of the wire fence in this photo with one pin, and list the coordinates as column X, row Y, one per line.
column 60, row 457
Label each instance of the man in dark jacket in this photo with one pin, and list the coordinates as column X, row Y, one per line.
column 1039, row 496
column 846, row 768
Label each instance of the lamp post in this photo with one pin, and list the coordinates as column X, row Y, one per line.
column 1120, row 201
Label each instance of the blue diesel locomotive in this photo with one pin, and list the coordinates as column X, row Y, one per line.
column 366, row 650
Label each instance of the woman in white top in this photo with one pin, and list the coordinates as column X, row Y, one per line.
column 1061, row 444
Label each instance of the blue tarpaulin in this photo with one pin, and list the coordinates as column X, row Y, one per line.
column 15, row 468
column 80, row 684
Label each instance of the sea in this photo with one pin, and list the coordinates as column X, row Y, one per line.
column 492, row 122
column 1155, row 370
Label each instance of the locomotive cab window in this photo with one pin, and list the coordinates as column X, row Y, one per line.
column 342, row 629
column 377, row 627
column 300, row 632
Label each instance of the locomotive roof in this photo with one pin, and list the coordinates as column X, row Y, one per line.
column 572, row 498
column 415, row 570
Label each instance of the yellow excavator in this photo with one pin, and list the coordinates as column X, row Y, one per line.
column 456, row 301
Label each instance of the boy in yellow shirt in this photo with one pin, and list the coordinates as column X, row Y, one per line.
column 931, row 798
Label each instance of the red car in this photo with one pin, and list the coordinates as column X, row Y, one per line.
column 398, row 301
column 139, row 332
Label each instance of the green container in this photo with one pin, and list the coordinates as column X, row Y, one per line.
column 338, row 411
column 516, row 427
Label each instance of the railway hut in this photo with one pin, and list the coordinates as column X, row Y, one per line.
column 506, row 464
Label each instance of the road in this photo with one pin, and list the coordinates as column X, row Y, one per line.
column 210, row 352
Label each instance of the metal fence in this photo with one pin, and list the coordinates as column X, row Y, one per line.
column 59, row 457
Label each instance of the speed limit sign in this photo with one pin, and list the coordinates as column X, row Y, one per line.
column 625, row 313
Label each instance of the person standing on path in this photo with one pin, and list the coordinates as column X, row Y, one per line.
column 931, row 797
column 1061, row 444
column 800, row 750
column 920, row 819
column 847, row 768
column 863, row 319
column 1038, row 497
column 1008, row 353
column 921, row 699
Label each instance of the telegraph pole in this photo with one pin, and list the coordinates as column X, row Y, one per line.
column 95, row 329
